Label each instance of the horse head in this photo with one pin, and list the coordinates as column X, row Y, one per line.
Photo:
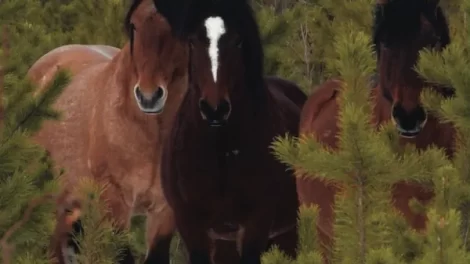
column 157, row 58
column 402, row 29
column 225, row 53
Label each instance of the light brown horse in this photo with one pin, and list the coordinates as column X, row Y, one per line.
column 402, row 29
column 117, row 110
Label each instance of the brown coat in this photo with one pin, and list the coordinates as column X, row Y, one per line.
column 103, row 134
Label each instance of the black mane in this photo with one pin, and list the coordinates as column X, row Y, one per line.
column 398, row 21
column 128, row 26
column 186, row 16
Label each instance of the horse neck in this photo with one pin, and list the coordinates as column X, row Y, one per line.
column 250, row 99
column 177, row 91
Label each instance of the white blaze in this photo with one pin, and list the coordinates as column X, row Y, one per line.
column 215, row 28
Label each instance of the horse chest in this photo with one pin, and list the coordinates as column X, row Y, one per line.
column 224, row 177
column 131, row 167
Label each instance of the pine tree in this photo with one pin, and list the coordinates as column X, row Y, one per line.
column 88, row 21
column 298, row 39
column 25, row 170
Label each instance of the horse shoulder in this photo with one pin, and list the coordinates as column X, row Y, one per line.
column 288, row 109
column 320, row 113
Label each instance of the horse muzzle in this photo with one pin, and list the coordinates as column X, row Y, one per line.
column 151, row 103
column 409, row 124
column 215, row 116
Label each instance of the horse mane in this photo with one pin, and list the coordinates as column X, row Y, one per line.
column 128, row 26
column 396, row 22
column 186, row 16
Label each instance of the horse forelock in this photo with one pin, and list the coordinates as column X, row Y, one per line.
column 398, row 22
column 397, row 25
column 136, row 7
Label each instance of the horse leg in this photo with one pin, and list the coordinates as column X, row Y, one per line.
column 402, row 193
column 160, row 229
column 193, row 232
column 70, row 223
column 121, row 213
column 58, row 238
column 254, row 237
column 225, row 252
column 284, row 233
column 287, row 242
column 62, row 248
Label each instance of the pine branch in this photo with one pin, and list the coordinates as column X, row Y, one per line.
column 45, row 99
column 7, row 249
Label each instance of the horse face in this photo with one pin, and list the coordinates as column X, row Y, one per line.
column 400, row 84
column 216, row 63
column 159, row 60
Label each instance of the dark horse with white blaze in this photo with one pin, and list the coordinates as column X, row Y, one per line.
column 218, row 171
column 402, row 28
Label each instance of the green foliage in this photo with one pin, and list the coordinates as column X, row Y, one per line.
column 88, row 21
column 365, row 163
column 368, row 161
column 27, row 184
column 103, row 244
column 299, row 40
column 25, row 174
column 46, row 25
column 450, row 68
column 306, row 42
column 308, row 242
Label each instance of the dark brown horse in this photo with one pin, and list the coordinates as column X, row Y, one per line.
column 117, row 111
column 218, row 172
column 402, row 29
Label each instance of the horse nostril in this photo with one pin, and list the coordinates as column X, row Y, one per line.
column 159, row 93
column 216, row 115
column 398, row 111
column 224, row 108
column 138, row 93
column 419, row 113
column 205, row 107
column 150, row 97
column 409, row 123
